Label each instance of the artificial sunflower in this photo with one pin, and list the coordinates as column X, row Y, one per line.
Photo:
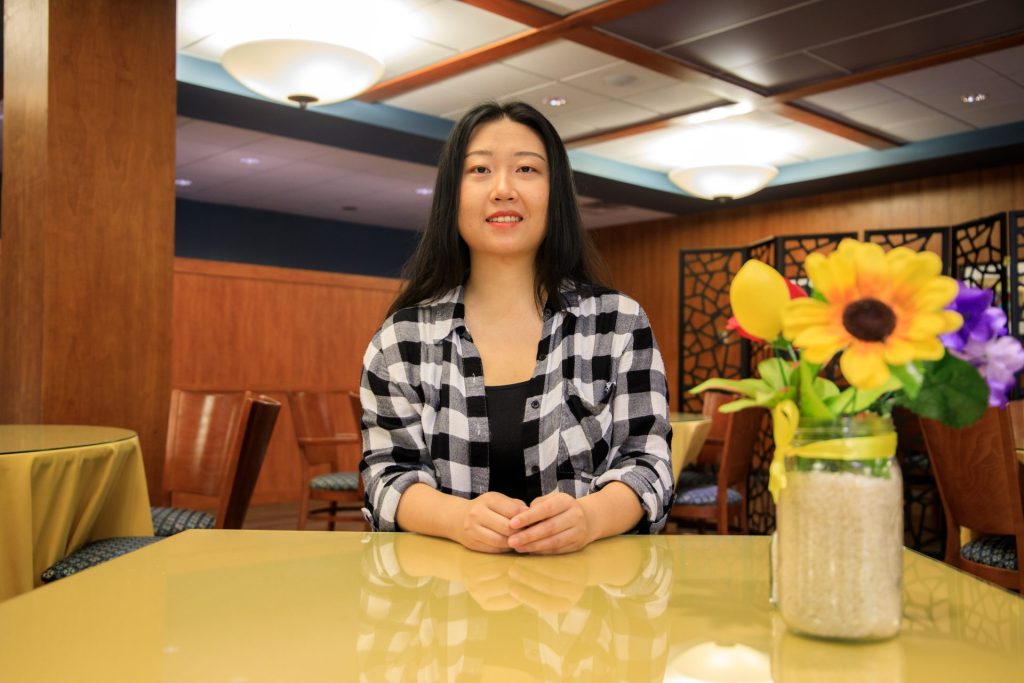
column 880, row 309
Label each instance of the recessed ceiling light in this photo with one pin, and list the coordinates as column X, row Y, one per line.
column 424, row 191
column 249, row 161
column 973, row 98
column 555, row 101
column 182, row 182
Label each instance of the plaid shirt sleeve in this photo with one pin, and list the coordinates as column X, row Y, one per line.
column 395, row 454
column 640, row 426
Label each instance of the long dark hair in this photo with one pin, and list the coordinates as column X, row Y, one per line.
column 441, row 260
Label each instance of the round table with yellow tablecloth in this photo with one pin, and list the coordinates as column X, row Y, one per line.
column 61, row 487
column 689, row 430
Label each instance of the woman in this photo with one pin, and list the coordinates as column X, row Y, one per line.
column 511, row 402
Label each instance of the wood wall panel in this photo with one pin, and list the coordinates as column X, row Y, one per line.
column 274, row 330
column 644, row 259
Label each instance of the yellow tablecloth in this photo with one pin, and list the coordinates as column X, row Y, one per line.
column 689, row 430
column 61, row 487
column 218, row 605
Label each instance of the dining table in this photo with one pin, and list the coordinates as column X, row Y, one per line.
column 62, row 486
column 250, row 606
column 689, row 431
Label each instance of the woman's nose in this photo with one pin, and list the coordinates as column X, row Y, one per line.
column 504, row 187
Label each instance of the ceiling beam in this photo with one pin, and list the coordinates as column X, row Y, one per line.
column 585, row 34
column 506, row 47
column 965, row 52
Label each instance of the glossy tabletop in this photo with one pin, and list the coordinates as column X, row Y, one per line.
column 62, row 486
column 248, row 606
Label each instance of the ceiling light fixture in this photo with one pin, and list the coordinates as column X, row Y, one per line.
column 555, row 101
column 249, row 161
column 182, row 182
column 722, row 182
column 424, row 191
column 973, row 98
column 302, row 72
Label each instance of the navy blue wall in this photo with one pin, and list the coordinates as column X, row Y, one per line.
column 230, row 233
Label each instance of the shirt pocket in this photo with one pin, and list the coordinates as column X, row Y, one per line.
column 586, row 433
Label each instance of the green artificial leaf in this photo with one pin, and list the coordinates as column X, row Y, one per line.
column 775, row 371
column 852, row 400
column 825, row 388
column 811, row 403
column 952, row 392
column 910, row 376
column 746, row 387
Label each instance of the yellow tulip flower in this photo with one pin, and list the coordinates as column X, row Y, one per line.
column 758, row 295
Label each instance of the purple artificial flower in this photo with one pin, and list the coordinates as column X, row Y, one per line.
column 998, row 360
column 982, row 341
column 982, row 321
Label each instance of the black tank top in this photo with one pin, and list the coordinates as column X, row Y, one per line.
column 506, row 405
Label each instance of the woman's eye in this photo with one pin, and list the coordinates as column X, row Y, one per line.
column 478, row 169
column 527, row 169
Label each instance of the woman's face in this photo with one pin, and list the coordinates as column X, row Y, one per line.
column 503, row 200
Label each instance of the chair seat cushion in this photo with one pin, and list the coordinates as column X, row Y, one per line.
column 95, row 553
column 689, row 479
column 994, row 551
column 336, row 481
column 706, row 495
column 170, row 521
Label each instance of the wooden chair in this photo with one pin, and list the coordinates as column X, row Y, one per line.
column 328, row 473
column 727, row 497
column 980, row 482
column 711, row 452
column 206, row 441
column 216, row 446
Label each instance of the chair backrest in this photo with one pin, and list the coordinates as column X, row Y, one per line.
column 977, row 473
column 258, row 430
column 741, row 431
column 204, row 439
column 711, row 452
column 357, row 408
column 312, row 413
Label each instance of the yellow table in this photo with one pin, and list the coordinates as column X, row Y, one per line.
column 273, row 606
column 61, row 487
column 689, row 430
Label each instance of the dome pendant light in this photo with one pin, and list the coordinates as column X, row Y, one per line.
column 303, row 72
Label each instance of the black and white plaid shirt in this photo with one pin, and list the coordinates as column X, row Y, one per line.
column 597, row 410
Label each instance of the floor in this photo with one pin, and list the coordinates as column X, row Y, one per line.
column 286, row 515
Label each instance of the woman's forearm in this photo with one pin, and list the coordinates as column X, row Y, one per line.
column 426, row 510
column 611, row 511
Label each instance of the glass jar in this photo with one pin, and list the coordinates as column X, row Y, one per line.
column 840, row 530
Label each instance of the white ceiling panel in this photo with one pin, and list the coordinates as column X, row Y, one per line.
column 924, row 129
column 564, row 7
column 891, row 113
column 621, row 80
column 575, row 99
column 1008, row 62
column 559, row 59
column 493, row 81
column 992, row 113
column 462, row 27
column 607, row 115
column 187, row 151
column 674, row 98
column 418, row 54
column 285, row 148
column 854, row 97
column 217, row 134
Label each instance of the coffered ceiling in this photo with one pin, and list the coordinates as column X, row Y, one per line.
column 834, row 93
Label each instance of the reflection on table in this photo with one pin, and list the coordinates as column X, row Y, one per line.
column 319, row 606
column 689, row 431
column 61, row 487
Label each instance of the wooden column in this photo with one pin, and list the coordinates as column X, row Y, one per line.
column 87, row 238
